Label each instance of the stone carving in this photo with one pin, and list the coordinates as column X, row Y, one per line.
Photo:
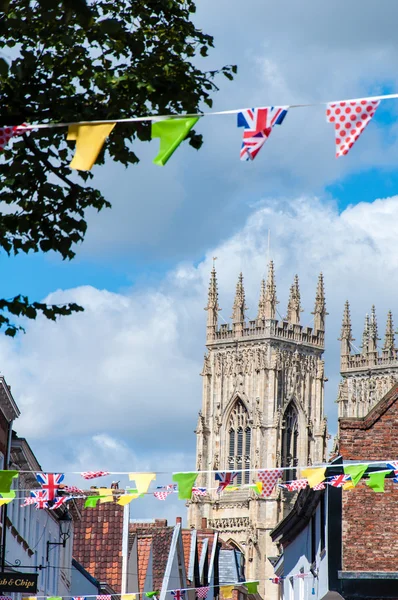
column 206, row 366
column 229, row 524
column 258, row 415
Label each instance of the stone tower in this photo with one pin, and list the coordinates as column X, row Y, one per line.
column 369, row 374
column 263, row 388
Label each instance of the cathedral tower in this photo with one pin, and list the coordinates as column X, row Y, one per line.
column 263, row 386
column 369, row 374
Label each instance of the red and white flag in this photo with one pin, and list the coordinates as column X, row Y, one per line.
column 269, row 479
column 6, row 133
column 350, row 118
column 298, row 484
column 202, row 592
column 94, row 474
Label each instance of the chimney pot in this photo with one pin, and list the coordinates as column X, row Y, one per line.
column 178, row 520
column 204, row 522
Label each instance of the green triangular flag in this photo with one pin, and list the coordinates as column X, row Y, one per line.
column 185, row 484
column 171, row 133
column 376, row 480
column 356, row 472
column 152, row 594
column 91, row 501
column 6, row 478
column 252, row 586
column 54, row 598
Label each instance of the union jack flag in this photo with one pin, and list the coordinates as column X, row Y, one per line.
column 339, row 480
column 29, row 501
column 78, row 598
column 258, row 124
column 199, row 491
column 94, row 474
column 202, row 592
column 225, row 479
column 50, row 482
column 59, row 502
column 40, row 498
column 178, row 594
column 394, row 466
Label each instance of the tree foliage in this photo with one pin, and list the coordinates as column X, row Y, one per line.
column 65, row 61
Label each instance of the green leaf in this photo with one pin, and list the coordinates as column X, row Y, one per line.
column 3, row 68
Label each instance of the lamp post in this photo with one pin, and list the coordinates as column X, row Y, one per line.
column 64, row 533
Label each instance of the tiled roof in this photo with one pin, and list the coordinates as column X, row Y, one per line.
column 143, row 552
column 186, row 544
column 97, row 543
column 161, row 542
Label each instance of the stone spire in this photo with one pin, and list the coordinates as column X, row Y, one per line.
column 268, row 300
column 294, row 306
column 320, row 306
column 239, row 307
column 389, row 339
column 373, row 333
column 346, row 332
column 212, row 305
column 365, row 336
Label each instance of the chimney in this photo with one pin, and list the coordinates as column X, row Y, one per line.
column 204, row 523
column 160, row 522
column 178, row 520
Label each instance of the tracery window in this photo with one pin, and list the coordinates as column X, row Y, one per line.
column 290, row 435
column 239, row 442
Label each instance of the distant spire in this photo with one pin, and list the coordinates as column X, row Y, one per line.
column 239, row 307
column 294, row 306
column 320, row 306
column 268, row 299
column 373, row 333
column 365, row 335
column 346, row 331
column 389, row 339
column 212, row 305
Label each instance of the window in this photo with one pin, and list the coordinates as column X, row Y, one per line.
column 289, row 442
column 239, row 442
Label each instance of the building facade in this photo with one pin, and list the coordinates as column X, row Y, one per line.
column 263, row 391
column 369, row 374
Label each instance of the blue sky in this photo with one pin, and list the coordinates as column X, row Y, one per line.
column 142, row 272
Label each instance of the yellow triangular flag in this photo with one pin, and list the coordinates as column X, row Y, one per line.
column 128, row 596
column 259, row 486
column 108, row 493
column 126, row 499
column 314, row 476
column 142, row 481
column 226, row 591
column 89, row 141
column 349, row 485
column 7, row 497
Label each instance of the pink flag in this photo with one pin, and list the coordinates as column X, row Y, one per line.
column 94, row 474
column 6, row 133
column 350, row 119
column 298, row 484
column 269, row 480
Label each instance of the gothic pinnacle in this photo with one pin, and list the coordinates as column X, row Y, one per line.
column 365, row 335
column 212, row 305
column 346, row 331
column 389, row 340
column 294, row 305
column 373, row 333
column 239, row 307
column 268, row 299
column 320, row 305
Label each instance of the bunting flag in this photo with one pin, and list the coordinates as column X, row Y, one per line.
column 104, row 597
column 376, row 480
column 162, row 495
column 152, row 594
column 6, row 478
column 92, row 501
column 94, row 474
column 339, row 480
column 142, row 481
column 319, row 486
column 252, row 586
column 72, row 489
column 258, row 124
column 127, row 498
column 257, row 487
column 356, row 472
column 7, row 497
column 89, row 141
column 178, row 594
column 276, row 580
column 106, row 495
column 226, row 591
column 171, row 133
column 298, row 484
column 59, row 502
column 269, row 479
column 128, row 597
column 225, row 479
column 6, row 133
column 199, row 491
column 202, row 592
column 78, row 598
column 185, row 481
column 50, row 482
column 394, row 467
column 28, row 502
column 313, row 475
column 350, row 119
column 40, row 499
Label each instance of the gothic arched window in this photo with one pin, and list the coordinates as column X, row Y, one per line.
column 290, row 442
column 239, row 441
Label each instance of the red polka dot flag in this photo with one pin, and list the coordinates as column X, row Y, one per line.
column 6, row 133
column 269, row 480
column 350, row 119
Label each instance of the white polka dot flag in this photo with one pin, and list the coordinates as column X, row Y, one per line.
column 269, row 480
column 6, row 133
column 350, row 119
